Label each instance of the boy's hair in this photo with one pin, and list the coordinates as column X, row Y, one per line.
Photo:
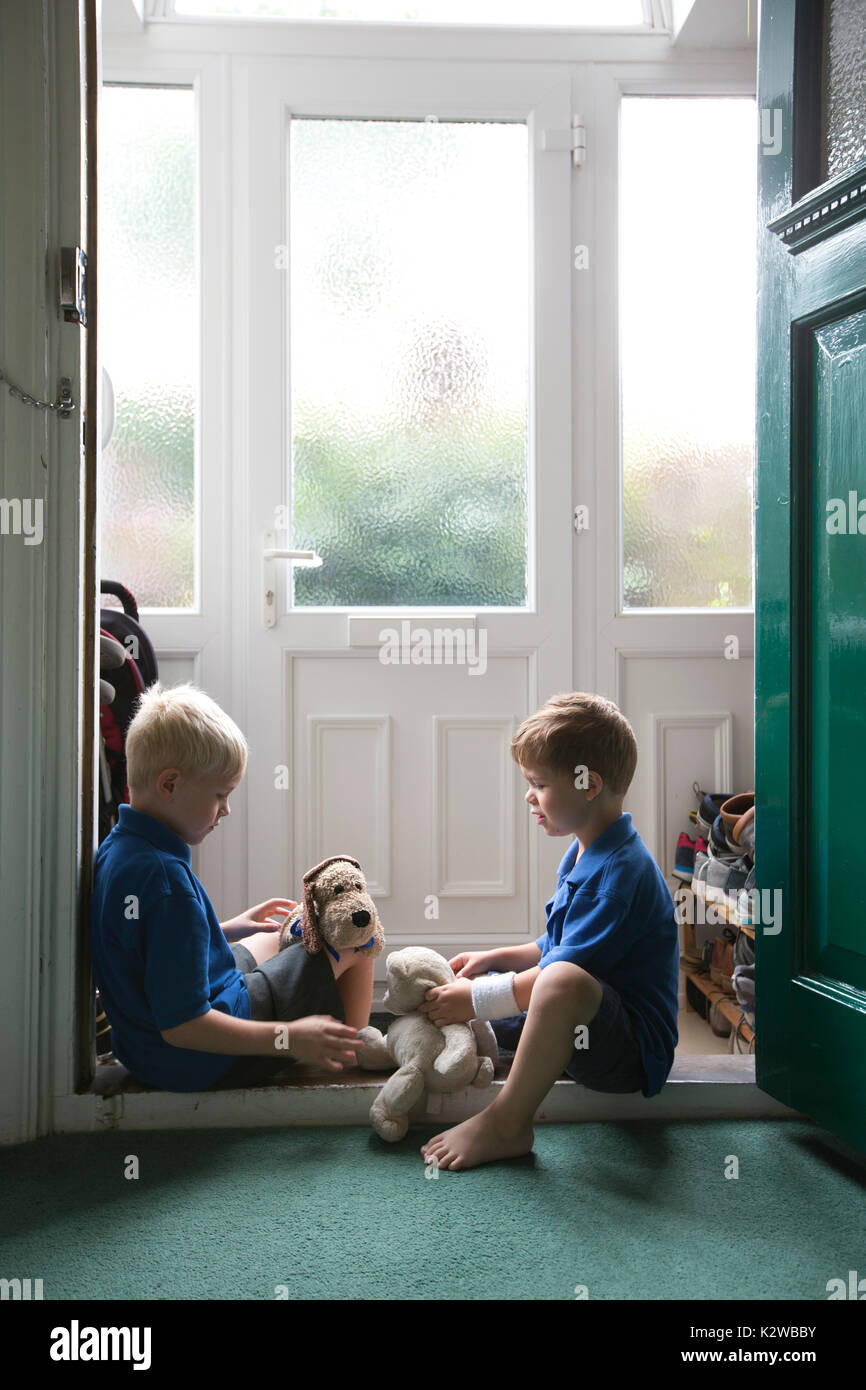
column 579, row 730
column 180, row 726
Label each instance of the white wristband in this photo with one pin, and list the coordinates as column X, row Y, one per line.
column 493, row 996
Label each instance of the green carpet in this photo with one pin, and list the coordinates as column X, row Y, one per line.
column 633, row 1211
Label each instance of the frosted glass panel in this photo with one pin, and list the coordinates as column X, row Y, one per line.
column 147, row 332
column 571, row 13
column 409, row 312
column 688, row 305
column 844, row 86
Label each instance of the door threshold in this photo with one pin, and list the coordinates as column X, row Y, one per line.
column 698, row 1088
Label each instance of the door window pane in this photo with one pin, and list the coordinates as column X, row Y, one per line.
column 844, row 86
column 147, row 330
column 409, row 313
column 688, row 306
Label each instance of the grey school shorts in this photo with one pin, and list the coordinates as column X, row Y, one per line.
column 610, row 1062
column 292, row 984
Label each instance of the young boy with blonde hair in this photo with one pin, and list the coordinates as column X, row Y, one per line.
column 187, row 1011
column 596, row 994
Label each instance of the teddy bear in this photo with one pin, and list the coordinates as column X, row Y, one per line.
column 337, row 913
column 429, row 1057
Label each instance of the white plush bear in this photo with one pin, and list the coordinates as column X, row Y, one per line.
column 429, row 1058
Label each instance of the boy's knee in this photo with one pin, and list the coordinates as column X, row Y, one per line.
column 358, row 964
column 561, row 977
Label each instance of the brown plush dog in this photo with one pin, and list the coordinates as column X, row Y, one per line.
column 337, row 913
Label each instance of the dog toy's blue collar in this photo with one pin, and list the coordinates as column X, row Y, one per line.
column 295, row 930
column 357, row 948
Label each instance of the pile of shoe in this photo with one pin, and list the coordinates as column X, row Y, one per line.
column 720, row 866
column 720, row 862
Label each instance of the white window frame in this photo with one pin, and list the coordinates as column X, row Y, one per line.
column 191, row 82
column 598, row 568
column 197, row 636
column 185, row 631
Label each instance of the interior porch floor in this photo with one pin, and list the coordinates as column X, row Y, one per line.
column 710, row 1083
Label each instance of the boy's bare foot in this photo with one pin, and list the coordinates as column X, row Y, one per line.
column 481, row 1139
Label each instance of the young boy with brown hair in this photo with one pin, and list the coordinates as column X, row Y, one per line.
column 609, row 959
column 187, row 1011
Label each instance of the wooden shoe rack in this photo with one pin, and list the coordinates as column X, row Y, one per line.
column 727, row 1004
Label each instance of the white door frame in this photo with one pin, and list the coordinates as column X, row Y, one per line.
column 39, row 1083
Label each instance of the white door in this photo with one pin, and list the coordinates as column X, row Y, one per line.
column 402, row 321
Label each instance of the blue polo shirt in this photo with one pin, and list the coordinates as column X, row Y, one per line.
column 613, row 915
column 158, row 953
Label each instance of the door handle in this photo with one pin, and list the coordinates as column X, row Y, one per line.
column 271, row 553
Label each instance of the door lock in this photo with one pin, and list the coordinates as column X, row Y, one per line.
column 73, row 274
column 270, row 553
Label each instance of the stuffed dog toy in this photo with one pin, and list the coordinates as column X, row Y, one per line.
column 429, row 1058
column 337, row 913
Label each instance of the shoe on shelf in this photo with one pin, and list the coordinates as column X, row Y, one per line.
column 712, row 870
column 741, row 911
column 684, row 860
column 719, row 870
column 699, row 877
column 732, row 811
column 711, row 805
column 738, row 875
column 717, row 839
column 744, row 832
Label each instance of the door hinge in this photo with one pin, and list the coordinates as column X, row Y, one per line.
column 574, row 140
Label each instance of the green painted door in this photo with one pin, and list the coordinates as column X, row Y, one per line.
column 811, row 562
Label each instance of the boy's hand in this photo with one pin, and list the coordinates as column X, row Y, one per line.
column 449, row 1003
column 258, row 918
column 324, row 1041
column 470, row 963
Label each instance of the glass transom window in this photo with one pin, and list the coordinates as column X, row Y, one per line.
column 570, row 14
